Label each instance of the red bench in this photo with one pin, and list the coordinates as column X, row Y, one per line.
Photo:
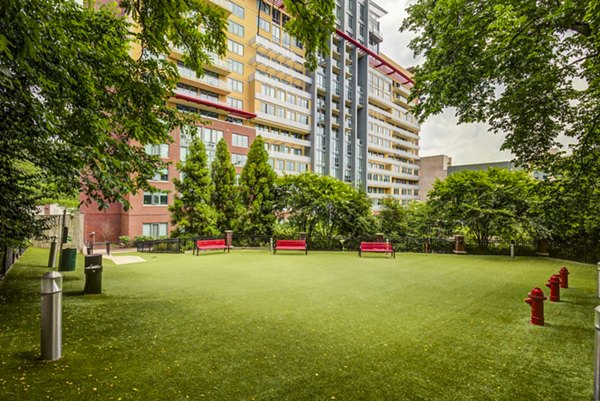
column 210, row 244
column 290, row 245
column 383, row 247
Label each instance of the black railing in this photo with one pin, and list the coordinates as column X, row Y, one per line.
column 8, row 257
column 172, row 245
column 579, row 253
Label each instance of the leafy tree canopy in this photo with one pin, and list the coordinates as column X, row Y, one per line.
column 192, row 209
column 492, row 203
column 530, row 69
column 78, row 108
column 325, row 207
column 225, row 197
column 257, row 191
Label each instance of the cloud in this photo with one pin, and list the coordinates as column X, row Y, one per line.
column 465, row 143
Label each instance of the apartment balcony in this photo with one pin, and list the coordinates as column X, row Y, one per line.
column 402, row 89
column 224, row 4
column 375, row 35
column 281, row 85
column 289, row 156
column 217, row 65
column 284, row 123
column 399, row 130
column 211, row 84
column 383, row 101
column 396, row 141
column 389, row 160
column 196, row 96
column 272, row 49
column 279, row 102
column 378, row 184
column 280, row 70
column 274, row 137
column 404, row 186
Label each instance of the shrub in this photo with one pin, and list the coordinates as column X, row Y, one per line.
column 125, row 241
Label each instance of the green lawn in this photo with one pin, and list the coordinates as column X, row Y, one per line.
column 252, row 326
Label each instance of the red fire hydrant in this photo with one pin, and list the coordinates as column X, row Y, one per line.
column 554, row 285
column 536, row 299
column 564, row 277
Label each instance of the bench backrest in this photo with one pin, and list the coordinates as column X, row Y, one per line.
column 208, row 242
column 375, row 245
column 291, row 242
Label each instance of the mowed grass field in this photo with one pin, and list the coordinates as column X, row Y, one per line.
column 327, row 326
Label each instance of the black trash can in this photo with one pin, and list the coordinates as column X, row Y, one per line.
column 93, row 274
column 68, row 260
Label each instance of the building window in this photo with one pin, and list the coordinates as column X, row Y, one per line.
column 235, row 66
column 158, row 150
column 239, row 140
column 161, row 175
column 156, row 198
column 264, row 7
column 276, row 34
column 235, row 103
column 286, row 39
column 236, row 28
column 264, row 25
column 238, row 160
column 235, row 85
column 235, row 47
column 155, row 230
column 211, row 137
column 238, row 11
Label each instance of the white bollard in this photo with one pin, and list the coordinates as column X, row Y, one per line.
column 598, row 286
column 51, row 340
column 597, row 361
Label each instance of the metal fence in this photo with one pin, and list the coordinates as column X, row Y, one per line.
column 568, row 251
column 8, row 257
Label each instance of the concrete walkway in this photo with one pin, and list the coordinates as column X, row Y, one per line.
column 124, row 260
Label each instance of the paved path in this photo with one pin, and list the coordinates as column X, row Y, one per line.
column 124, row 260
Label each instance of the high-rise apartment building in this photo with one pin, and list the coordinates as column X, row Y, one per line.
column 350, row 118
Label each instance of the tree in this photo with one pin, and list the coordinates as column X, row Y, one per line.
column 257, row 190
column 325, row 208
column 225, row 197
column 492, row 203
column 392, row 219
column 192, row 209
column 529, row 69
column 77, row 107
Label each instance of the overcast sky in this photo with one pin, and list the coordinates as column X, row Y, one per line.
column 465, row 143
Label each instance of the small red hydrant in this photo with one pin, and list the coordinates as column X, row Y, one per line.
column 554, row 285
column 536, row 299
column 564, row 277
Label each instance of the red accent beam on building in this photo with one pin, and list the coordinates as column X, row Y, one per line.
column 374, row 55
column 231, row 110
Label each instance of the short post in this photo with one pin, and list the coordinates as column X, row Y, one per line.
column 108, row 248
column 229, row 238
column 512, row 250
column 52, row 256
column 598, row 289
column 542, row 248
column 51, row 340
column 459, row 244
column 63, row 236
column 271, row 245
column 597, row 353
